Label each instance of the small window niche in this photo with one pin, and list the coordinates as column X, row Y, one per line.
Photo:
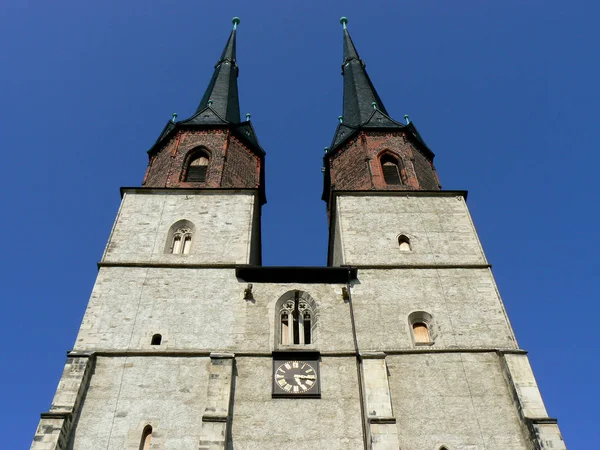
column 156, row 339
column 404, row 243
column 146, row 438
column 422, row 328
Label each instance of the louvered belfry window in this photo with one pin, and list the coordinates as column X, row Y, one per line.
column 391, row 171
column 197, row 169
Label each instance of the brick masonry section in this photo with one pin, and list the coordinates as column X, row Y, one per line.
column 356, row 165
column 231, row 163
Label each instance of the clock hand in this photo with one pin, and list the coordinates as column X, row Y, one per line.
column 306, row 377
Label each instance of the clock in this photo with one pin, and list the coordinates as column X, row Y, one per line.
column 295, row 375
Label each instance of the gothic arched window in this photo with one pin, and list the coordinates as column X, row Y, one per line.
column 296, row 320
column 197, row 168
column 146, row 438
column 179, row 239
column 391, row 170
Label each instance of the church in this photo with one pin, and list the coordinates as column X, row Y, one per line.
column 189, row 343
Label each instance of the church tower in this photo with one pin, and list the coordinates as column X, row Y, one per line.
column 400, row 342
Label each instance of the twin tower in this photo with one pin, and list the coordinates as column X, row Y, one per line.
column 189, row 343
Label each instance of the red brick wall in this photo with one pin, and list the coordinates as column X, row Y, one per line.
column 231, row 164
column 241, row 168
column 349, row 169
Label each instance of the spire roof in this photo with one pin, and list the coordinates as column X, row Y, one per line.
column 360, row 96
column 222, row 92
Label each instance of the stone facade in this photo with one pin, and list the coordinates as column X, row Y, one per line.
column 208, row 385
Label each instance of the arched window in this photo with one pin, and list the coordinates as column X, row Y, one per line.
column 146, row 438
column 296, row 319
column 421, row 333
column 404, row 243
column 197, row 168
column 421, row 324
column 156, row 339
column 390, row 169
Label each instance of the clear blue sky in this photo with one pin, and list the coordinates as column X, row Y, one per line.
column 505, row 93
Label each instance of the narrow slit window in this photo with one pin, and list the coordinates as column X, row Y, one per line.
column 307, row 327
column 197, row 169
column 404, row 243
column 421, row 333
column 391, row 171
column 146, row 438
column 176, row 244
column 187, row 243
column 285, row 332
column 156, row 339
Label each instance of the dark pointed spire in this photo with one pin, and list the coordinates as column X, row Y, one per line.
column 360, row 97
column 222, row 91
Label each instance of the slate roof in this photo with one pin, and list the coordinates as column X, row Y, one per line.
column 220, row 105
column 362, row 106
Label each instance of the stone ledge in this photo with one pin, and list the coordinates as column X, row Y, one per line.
column 55, row 415
column 269, row 354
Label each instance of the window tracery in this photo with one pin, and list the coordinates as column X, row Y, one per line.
column 296, row 321
column 182, row 241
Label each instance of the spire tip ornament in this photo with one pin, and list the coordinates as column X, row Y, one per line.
column 235, row 21
column 173, row 117
column 406, row 119
column 344, row 21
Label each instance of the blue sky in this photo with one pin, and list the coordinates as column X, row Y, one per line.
column 505, row 93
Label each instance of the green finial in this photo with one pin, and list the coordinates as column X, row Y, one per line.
column 374, row 105
column 235, row 21
column 174, row 117
column 406, row 118
column 326, row 149
column 341, row 119
column 344, row 22
column 247, row 116
column 210, row 102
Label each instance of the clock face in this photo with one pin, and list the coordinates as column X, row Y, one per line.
column 295, row 377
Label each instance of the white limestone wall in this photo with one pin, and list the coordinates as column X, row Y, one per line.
column 438, row 225
column 332, row 422
column 200, row 309
column 127, row 393
column 465, row 305
column 459, row 400
column 224, row 224
column 204, row 309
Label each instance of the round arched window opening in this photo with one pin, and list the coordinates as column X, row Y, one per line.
column 404, row 243
column 146, row 438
